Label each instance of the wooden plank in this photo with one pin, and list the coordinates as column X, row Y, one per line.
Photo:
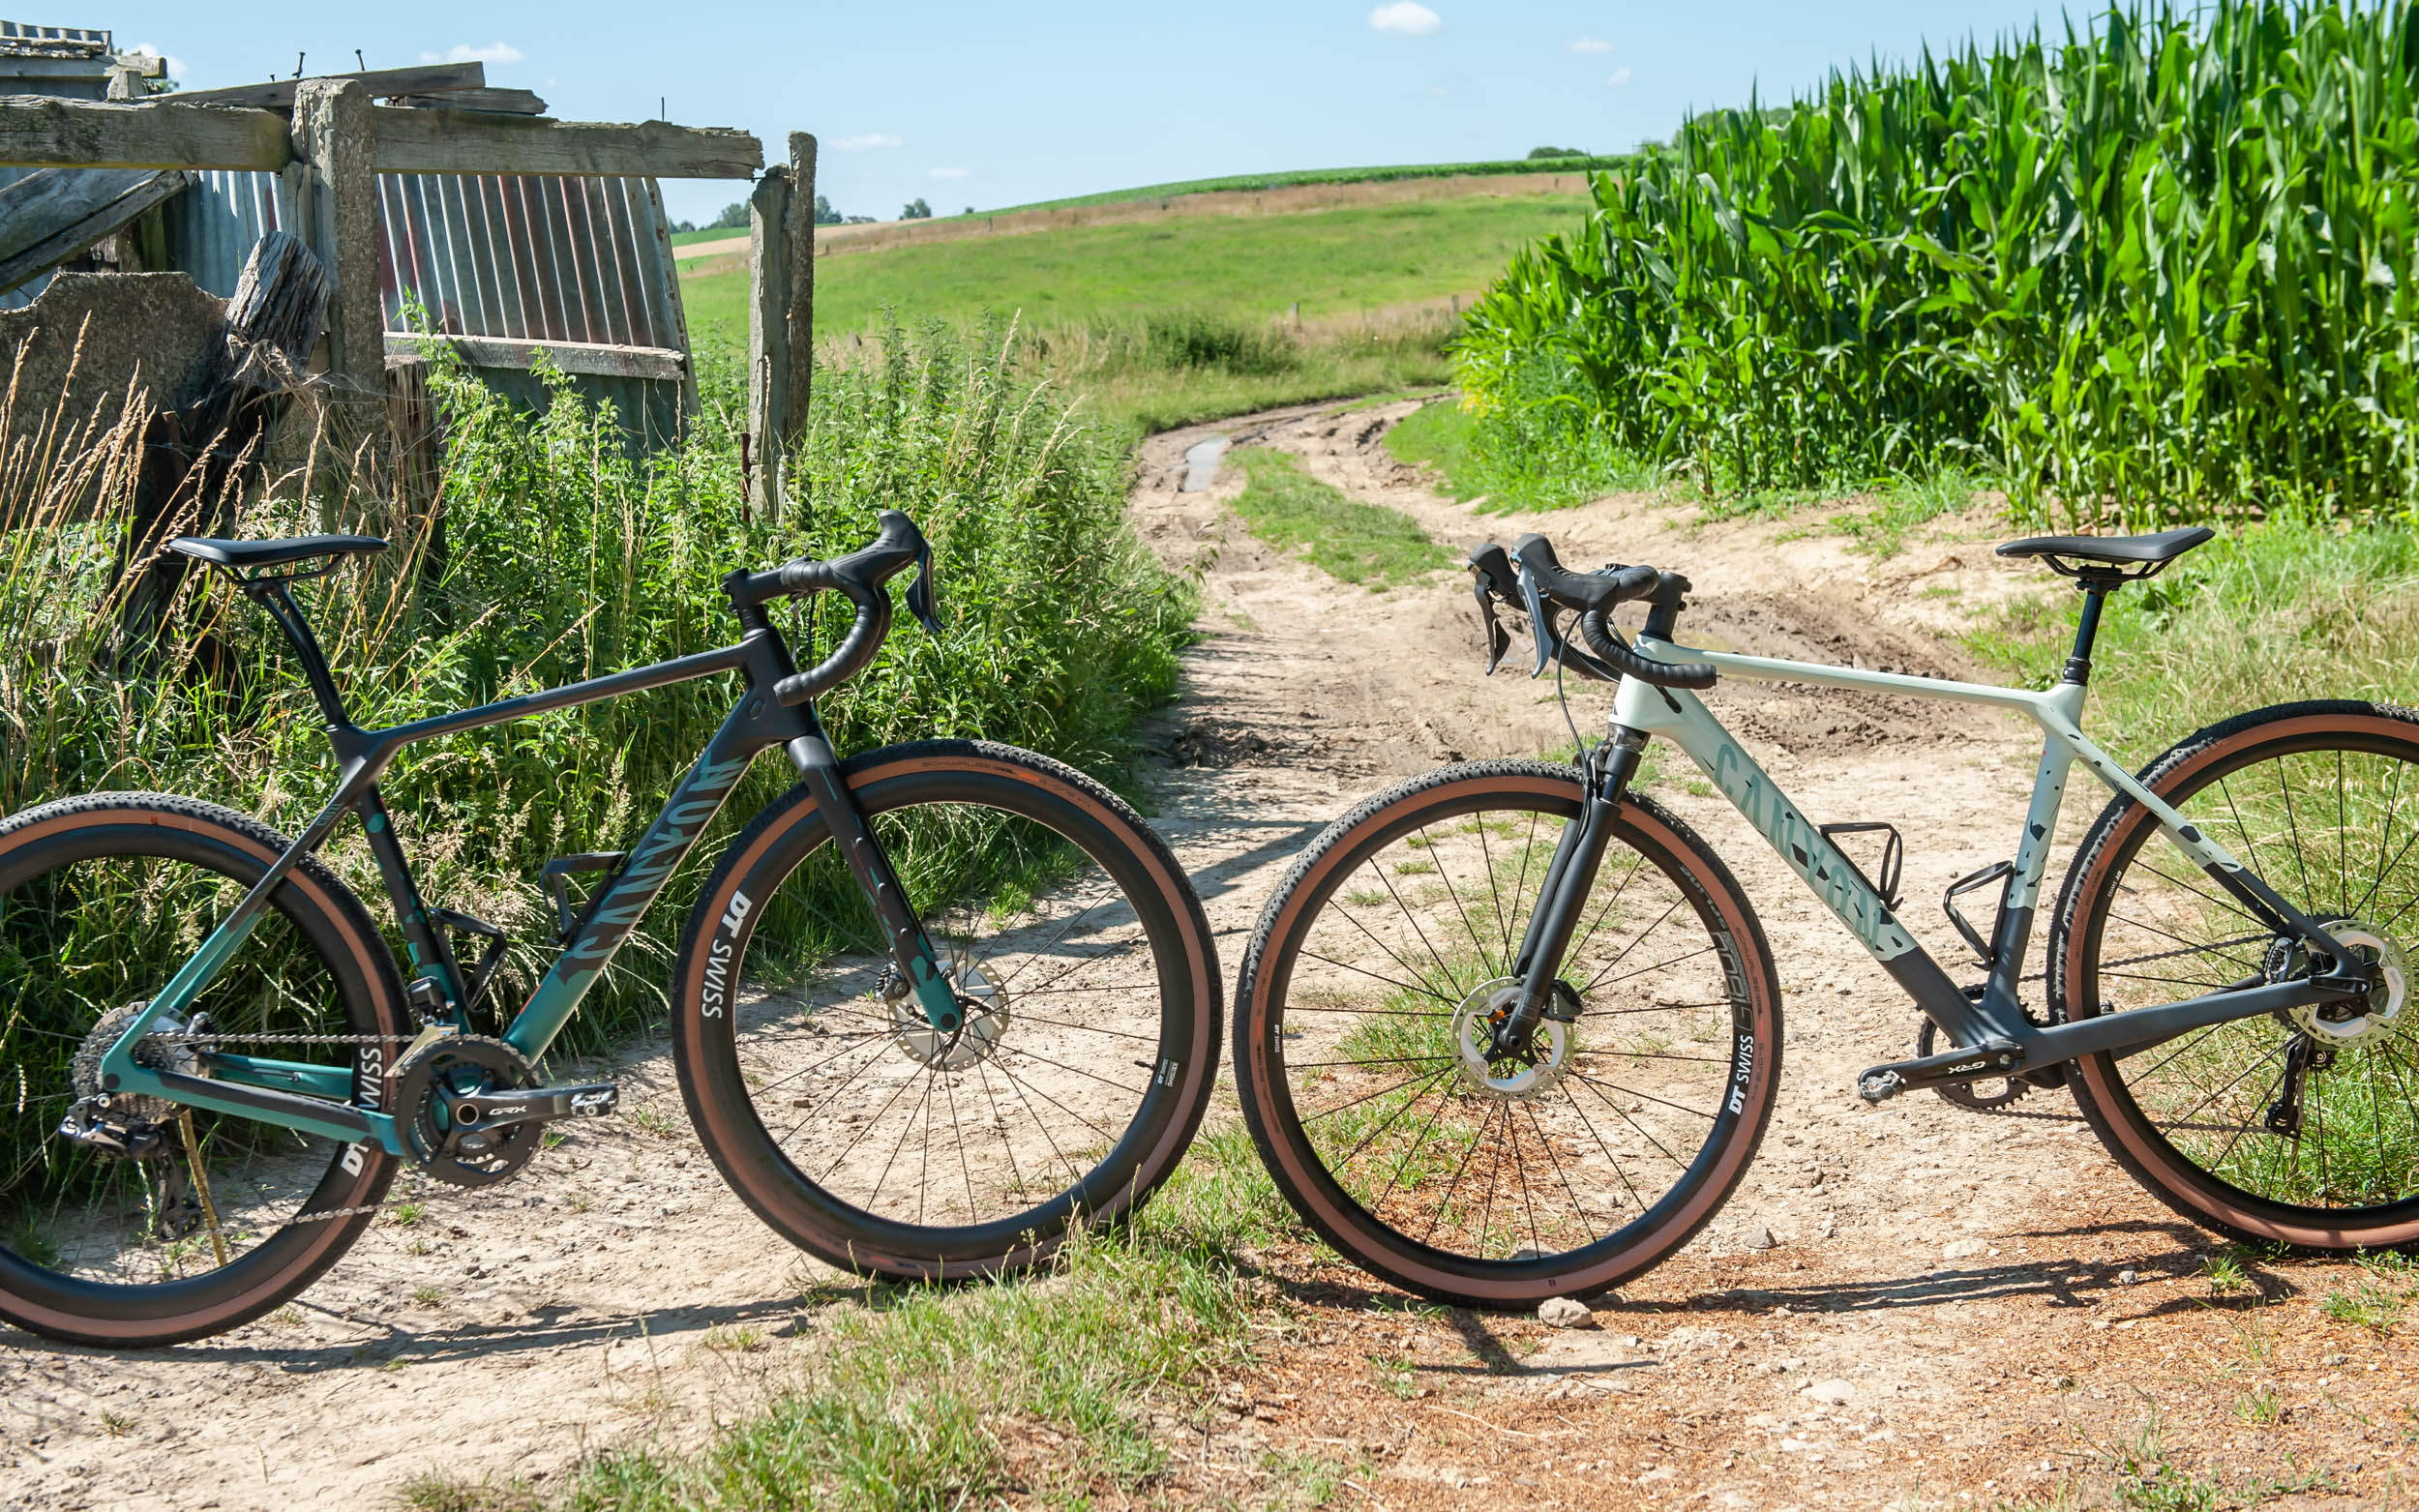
column 594, row 359
column 37, row 131
column 495, row 101
column 463, row 141
column 278, row 94
column 52, row 214
column 801, row 239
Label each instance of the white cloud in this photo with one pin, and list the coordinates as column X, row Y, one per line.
column 176, row 65
column 1408, row 17
column 1587, row 44
column 867, row 143
column 463, row 52
column 1621, row 77
column 948, row 173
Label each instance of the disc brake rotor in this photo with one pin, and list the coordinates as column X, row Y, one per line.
column 2358, row 1022
column 982, row 1000
column 1532, row 1073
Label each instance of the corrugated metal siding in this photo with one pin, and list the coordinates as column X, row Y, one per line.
column 537, row 259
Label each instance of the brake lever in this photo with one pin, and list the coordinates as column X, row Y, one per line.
column 1543, row 627
column 1486, row 563
column 919, row 594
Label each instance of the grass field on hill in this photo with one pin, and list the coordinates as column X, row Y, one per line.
column 1338, row 263
column 1296, row 177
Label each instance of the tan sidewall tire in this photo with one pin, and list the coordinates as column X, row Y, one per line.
column 1389, row 1255
column 2099, row 1090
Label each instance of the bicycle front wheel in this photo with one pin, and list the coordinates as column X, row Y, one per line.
column 154, row 1224
column 1361, row 1041
column 2299, row 1128
column 1091, row 988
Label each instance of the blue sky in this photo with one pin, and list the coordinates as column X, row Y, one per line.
column 989, row 105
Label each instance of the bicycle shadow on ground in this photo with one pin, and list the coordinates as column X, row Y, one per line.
column 546, row 1328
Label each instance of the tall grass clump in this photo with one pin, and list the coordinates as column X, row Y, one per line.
column 2159, row 269
column 559, row 554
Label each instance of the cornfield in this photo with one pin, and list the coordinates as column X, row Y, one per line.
column 2161, row 269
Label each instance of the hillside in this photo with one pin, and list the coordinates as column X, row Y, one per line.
column 1338, row 260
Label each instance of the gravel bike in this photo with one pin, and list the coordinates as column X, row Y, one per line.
column 1511, row 1030
column 936, row 1003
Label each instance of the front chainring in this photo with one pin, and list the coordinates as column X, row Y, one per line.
column 450, row 1067
column 1966, row 1094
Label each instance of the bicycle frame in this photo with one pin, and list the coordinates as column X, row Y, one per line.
column 1995, row 1023
column 343, row 1103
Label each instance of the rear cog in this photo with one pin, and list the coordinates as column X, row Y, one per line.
column 427, row 1083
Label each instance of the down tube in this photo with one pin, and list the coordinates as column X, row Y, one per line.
column 1684, row 720
column 692, row 806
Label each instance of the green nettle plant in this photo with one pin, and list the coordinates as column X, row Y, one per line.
column 2159, row 270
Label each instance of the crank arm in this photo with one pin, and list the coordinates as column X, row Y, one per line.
column 534, row 1105
column 1996, row 1057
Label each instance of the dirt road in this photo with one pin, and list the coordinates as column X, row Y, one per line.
column 1945, row 1309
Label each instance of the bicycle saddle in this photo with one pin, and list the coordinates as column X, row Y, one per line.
column 242, row 554
column 2114, row 551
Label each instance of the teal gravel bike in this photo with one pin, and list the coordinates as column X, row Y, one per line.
column 938, row 1003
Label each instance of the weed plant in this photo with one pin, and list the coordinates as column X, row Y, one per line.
column 2159, row 269
column 1356, row 543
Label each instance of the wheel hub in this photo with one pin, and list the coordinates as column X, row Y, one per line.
column 1529, row 1070
column 982, row 1003
column 2345, row 1025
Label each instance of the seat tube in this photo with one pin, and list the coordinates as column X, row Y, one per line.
column 431, row 955
column 911, row 950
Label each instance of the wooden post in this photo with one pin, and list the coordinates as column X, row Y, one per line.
column 801, row 285
column 335, row 182
column 781, row 320
column 768, row 335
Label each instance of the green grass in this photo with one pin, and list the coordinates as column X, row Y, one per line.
column 1336, row 262
column 1297, row 177
column 1362, row 544
column 1513, row 462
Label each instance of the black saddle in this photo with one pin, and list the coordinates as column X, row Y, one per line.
column 255, row 555
column 2113, row 558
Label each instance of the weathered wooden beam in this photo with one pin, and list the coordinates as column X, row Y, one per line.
column 801, row 238
column 37, row 131
column 52, row 214
column 495, row 101
column 590, row 358
column 463, row 141
column 770, row 252
column 336, row 204
column 278, row 94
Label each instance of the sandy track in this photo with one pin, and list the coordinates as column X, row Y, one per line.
column 1940, row 1313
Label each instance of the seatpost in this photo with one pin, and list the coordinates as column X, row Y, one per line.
column 277, row 596
column 2086, row 631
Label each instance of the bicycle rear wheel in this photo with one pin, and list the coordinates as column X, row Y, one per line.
column 2300, row 1128
column 210, row 1221
column 1361, row 1042
column 1091, row 991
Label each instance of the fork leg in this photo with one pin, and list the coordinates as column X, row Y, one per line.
column 1569, row 879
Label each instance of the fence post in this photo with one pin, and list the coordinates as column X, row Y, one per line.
column 801, row 284
column 768, row 335
column 336, row 205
